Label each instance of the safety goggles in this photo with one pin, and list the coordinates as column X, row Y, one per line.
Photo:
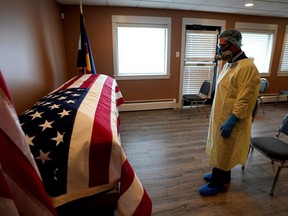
column 224, row 46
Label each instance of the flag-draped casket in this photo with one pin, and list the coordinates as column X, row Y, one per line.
column 73, row 134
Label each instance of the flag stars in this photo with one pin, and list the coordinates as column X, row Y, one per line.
column 43, row 157
column 28, row 111
column 29, row 139
column 47, row 103
column 62, row 98
column 54, row 106
column 46, row 125
column 70, row 101
column 64, row 113
column 58, row 138
column 76, row 95
column 36, row 115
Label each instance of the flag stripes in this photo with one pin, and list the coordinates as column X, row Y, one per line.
column 19, row 174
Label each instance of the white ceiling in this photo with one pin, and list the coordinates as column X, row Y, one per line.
column 277, row 8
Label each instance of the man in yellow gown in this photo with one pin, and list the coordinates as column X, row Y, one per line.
column 231, row 114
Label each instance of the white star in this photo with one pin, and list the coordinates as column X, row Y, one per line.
column 36, row 115
column 64, row 112
column 70, row 101
column 54, row 106
column 62, row 98
column 28, row 111
column 29, row 139
column 43, row 156
column 46, row 125
column 55, row 171
column 76, row 95
column 58, row 138
column 47, row 103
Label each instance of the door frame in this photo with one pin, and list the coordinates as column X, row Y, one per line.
column 193, row 21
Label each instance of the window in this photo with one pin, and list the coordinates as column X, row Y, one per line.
column 200, row 50
column 258, row 42
column 141, row 47
column 284, row 56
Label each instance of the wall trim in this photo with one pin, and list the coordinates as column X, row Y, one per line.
column 148, row 105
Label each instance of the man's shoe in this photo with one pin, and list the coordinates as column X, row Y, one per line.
column 208, row 191
column 207, row 177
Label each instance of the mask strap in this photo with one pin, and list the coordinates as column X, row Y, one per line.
column 235, row 57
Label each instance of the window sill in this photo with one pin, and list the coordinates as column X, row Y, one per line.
column 139, row 77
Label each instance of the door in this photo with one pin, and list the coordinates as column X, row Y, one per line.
column 199, row 60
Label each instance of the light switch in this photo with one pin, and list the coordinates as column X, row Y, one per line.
column 177, row 54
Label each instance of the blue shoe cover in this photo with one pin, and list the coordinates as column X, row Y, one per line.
column 207, row 177
column 208, row 191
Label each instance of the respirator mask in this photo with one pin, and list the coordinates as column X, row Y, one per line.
column 223, row 53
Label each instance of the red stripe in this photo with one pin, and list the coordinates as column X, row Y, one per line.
column 145, row 206
column 4, row 189
column 4, row 87
column 101, row 139
column 66, row 85
column 18, row 167
column 127, row 177
column 90, row 81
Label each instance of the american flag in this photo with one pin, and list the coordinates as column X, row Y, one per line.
column 21, row 188
column 73, row 133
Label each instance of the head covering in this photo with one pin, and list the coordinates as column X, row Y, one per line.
column 233, row 36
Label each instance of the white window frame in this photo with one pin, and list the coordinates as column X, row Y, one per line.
column 260, row 28
column 194, row 21
column 200, row 65
column 141, row 21
column 284, row 55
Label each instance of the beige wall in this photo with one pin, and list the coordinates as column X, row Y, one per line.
column 32, row 57
column 34, row 40
column 99, row 28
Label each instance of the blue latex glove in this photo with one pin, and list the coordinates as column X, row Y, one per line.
column 227, row 127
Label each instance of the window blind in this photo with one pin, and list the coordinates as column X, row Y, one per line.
column 284, row 60
column 258, row 45
column 200, row 50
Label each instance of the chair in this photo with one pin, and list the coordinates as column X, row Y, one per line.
column 199, row 98
column 262, row 91
column 283, row 92
column 274, row 148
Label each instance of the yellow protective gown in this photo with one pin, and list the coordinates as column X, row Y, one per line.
column 236, row 92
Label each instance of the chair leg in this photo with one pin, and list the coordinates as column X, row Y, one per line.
column 275, row 180
column 182, row 106
column 261, row 103
column 249, row 151
column 277, row 99
column 205, row 110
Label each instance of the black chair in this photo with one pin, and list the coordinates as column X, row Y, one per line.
column 262, row 91
column 274, row 148
column 199, row 98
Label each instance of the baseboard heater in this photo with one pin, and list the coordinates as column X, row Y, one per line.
column 273, row 97
column 148, row 105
